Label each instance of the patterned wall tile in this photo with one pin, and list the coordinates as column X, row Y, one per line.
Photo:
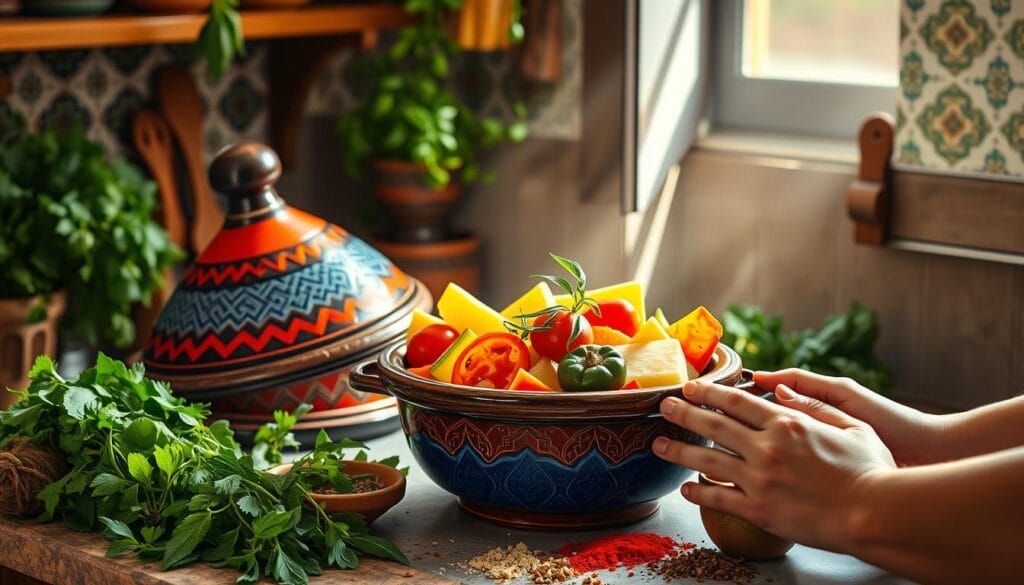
column 961, row 100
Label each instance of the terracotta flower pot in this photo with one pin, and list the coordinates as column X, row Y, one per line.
column 417, row 211
column 21, row 341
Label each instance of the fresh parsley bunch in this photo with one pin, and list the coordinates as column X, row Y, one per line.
column 166, row 487
column 75, row 220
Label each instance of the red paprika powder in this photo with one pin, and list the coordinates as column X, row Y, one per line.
column 616, row 550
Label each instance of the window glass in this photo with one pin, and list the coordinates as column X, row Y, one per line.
column 839, row 41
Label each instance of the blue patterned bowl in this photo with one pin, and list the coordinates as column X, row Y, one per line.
column 537, row 459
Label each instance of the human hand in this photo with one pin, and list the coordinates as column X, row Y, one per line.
column 913, row 436
column 800, row 475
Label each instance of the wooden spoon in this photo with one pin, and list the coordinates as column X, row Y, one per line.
column 153, row 140
column 183, row 108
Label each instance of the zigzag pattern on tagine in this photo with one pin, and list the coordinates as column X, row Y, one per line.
column 168, row 350
column 299, row 255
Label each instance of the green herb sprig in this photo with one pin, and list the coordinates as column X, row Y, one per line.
column 74, row 220
column 164, row 486
column 580, row 301
column 220, row 40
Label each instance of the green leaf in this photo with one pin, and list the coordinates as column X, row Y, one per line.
column 186, row 536
column 140, row 435
column 119, row 547
column 342, row 556
column 165, row 460
column 77, row 401
column 106, row 484
column 117, row 527
column 249, row 505
column 229, row 485
column 286, row 571
column 378, row 547
column 225, row 547
column 139, row 467
column 271, row 524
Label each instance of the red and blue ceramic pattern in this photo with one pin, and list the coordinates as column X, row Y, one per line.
column 540, row 459
column 276, row 309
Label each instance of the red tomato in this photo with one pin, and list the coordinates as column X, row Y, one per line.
column 553, row 343
column 491, row 361
column 619, row 314
column 428, row 345
column 699, row 332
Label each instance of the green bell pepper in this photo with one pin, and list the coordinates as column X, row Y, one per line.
column 592, row 367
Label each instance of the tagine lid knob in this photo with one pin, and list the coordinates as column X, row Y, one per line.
column 246, row 173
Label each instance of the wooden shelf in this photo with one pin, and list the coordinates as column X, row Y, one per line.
column 45, row 33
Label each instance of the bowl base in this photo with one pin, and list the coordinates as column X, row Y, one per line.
column 560, row 521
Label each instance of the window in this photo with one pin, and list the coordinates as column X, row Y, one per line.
column 812, row 67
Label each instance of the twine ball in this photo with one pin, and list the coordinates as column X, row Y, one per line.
column 25, row 469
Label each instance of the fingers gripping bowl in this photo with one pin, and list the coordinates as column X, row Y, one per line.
column 539, row 459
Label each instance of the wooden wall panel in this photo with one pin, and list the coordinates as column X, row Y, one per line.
column 967, row 332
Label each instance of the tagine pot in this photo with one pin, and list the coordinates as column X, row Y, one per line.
column 21, row 341
column 276, row 310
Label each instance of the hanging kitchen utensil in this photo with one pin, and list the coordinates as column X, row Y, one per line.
column 152, row 139
column 276, row 310
column 183, row 108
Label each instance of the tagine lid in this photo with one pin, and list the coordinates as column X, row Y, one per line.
column 278, row 295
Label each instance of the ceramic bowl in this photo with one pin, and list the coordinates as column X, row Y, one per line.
column 371, row 505
column 539, row 460
column 735, row 536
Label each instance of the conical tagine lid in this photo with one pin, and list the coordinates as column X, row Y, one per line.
column 278, row 294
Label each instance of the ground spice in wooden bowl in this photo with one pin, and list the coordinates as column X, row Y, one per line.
column 703, row 564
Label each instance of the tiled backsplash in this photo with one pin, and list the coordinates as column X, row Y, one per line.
column 961, row 99
column 100, row 89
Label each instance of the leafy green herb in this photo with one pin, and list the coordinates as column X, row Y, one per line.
column 580, row 301
column 844, row 346
column 166, row 487
column 410, row 114
column 220, row 39
column 74, row 220
column 274, row 437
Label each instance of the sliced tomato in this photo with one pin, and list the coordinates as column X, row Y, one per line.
column 422, row 371
column 618, row 314
column 491, row 361
column 631, row 385
column 698, row 333
column 526, row 381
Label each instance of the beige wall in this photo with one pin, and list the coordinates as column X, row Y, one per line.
column 736, row 229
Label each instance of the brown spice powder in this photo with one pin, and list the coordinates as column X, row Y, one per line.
column 704, row 564
column 504, row 564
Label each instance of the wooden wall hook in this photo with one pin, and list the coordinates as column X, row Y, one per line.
column 867, row 198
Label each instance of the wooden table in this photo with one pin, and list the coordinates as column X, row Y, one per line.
column 54, row 554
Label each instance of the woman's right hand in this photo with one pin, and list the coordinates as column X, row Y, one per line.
column 912, row 436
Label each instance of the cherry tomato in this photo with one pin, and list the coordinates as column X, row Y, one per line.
column 698, row 333
column 428, row 345
column 553, row 343
column 619, row 314
column 491, row 361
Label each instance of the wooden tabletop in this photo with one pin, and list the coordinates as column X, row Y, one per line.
column 54, row 554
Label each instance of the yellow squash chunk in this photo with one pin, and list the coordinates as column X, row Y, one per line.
column 546, row 371
column 608, row 336
column 462, row 310
column 651, row 331
column 655, row 363
column 631, row 291
column 533, row 300
column 445, row 365
column 419, row 321
column 526, row 381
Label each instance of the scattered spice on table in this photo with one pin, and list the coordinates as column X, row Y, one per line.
column 553, row 570
column 621, row 550
column 703, row 564
column 503, row 564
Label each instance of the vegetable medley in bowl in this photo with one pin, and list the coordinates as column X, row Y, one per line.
column 578, row 340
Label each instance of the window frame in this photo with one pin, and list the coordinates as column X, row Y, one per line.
column 782, row 106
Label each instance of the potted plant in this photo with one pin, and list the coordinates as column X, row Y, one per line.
column 419, row 139
column 77, row 229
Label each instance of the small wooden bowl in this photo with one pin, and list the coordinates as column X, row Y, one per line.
column 735, row 536
column 371, row 505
